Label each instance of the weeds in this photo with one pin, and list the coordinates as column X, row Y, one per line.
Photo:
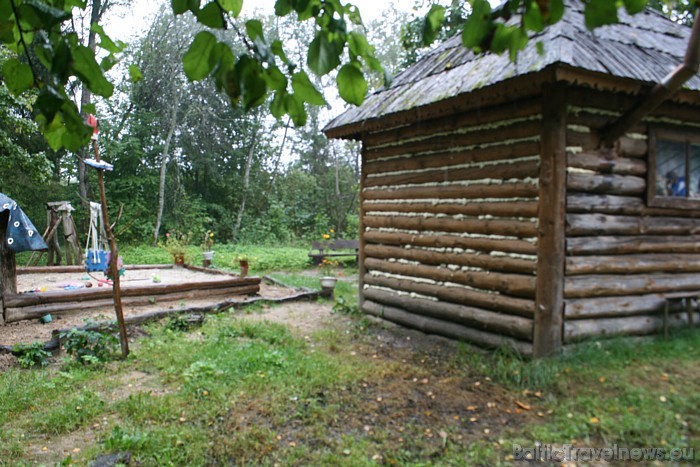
column 31, row 355
column 89, row 347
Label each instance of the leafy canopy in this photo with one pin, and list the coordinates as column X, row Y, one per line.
column 51, row 59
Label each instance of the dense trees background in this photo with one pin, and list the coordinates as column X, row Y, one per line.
column 189, row 157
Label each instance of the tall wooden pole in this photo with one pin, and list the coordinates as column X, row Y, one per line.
column 114, row 255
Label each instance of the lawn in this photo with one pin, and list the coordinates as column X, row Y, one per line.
column 319, row 384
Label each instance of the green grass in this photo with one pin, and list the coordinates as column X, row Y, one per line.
column 245, row 391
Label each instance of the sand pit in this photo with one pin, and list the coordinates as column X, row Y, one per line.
column 141, row 290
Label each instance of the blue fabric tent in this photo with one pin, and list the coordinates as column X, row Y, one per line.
column 21, row 235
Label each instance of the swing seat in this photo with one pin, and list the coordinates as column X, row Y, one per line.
column 96, row 260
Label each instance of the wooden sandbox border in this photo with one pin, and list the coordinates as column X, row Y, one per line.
column 33, row 305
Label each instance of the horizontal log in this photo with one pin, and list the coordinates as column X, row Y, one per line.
column 449, row 158
column 587, row 141
column 503, row 171
column 514, row 326
column 87, row 294
column 610, row 307
column 518, row 130
column 501, row 190
column 78, row 269
column 596, row 121
column 452, row 241
column 518, row 285
column 609, row 245
column 457, row 294
column 632, row 264
column 578, row 225
column 610, row 285
column 631, row 147
column 605, row 162
column 485, row 116
column 502, row 209
column 436, row 258
column 611, row 204
column 576, row 330
column 444, row 328
column 509, row 228
column 37, row 311
column 606, row 184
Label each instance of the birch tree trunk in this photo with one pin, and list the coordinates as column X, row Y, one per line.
column 165, row 158
column 246, row 184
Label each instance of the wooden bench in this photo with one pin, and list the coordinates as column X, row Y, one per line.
column 332, row 249
column 680, row 297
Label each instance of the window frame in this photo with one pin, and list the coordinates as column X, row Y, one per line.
column 687, row 136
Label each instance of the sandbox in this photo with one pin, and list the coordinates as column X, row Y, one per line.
column 62, row 290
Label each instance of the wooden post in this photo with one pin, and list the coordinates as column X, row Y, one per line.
column 8, row 266
column 551, row 255
column 114, row 252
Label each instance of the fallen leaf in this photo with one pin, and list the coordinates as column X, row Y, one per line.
column 471, row 408
column 594, row 420
column 601, row 379
column 523, row 406
column 662, row 398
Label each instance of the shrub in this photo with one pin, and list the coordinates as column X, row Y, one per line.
column 89, row 346
column 29, row 355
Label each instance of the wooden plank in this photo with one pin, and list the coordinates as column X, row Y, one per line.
column 450, row 158
column 88, row 294
column 611, row 285
column 607, row 184
column 613, row 204
column 611, row 307
column 37, row 311
column 517, row 285
column 549, row 303
column 576, row 330
column 509, row 325
column 503, row 171
column 620, row 245
column 518, row 130
column 632, row 264
column 509, row 110
column 578, row 225
column 487, row 244
column 496, row 209
column 605, row 162
column 477, row 190
column 435, row 258
column 444, row 328
column 458, row 294
column 442, row 224
column 362, row 228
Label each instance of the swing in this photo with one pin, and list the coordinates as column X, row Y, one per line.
column 96, row 254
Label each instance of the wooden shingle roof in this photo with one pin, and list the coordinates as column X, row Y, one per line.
column 644, row 47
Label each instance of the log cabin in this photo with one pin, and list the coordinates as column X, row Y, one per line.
column 539, row 202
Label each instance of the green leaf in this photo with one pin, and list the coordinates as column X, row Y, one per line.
column 533, row 19
column 634, row 6
column 278, row 49
column 248, row 73
column 275, row 79
column 42, row 15
column 352, row 84
column 18, row 76
column 432, row 23
column 277, row 106
column 86, row 68
column 599, row 13
column 358, row 45
column 295, row 109
column 306, row 90
column 135, row 74
column 232, row 6
column 254, row 29
column 556, row 11
column 283, row 7
column 478, row 24
column 179, row 6
column 106, row 42
column 196, row 61
column 211, row 15
column 323, row 56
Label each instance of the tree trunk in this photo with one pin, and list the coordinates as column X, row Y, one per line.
column 246, row 184
column 164, row 168
column 8, row 266
column 85, row 97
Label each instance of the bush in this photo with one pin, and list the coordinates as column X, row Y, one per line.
column 89, row 347
column 29, row 355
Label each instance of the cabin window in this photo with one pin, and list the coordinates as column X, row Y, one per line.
column 674, row 169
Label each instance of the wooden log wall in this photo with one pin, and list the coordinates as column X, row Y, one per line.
column 450, row 212
column 623, row 257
